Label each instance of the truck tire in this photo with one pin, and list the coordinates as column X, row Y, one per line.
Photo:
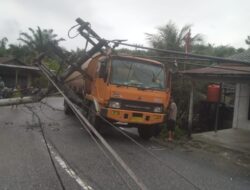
column 157, row 130
column 67, row 109
column 145, row 132
column 93, row 119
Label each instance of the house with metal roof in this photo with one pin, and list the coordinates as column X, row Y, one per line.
column 238, row 74
column 16, row 73
column 236, row 138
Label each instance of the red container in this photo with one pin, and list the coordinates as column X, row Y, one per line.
column 213, row 93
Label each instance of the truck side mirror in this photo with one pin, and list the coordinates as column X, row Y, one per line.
column 103, row 72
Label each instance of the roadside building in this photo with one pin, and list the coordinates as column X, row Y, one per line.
column 16, row 73
column 236, row 74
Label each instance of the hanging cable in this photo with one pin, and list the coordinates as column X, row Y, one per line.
column 96, row 142
column 71, row 37
column 162, row 51
column 47, row 146
column 174, row 61
column 79, row 115
column 106, row 155
column 143, row 148
column 218, row 59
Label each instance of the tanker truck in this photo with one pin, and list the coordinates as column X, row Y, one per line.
column 124, row 90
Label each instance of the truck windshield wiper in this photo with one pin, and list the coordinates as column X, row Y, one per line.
column 156, row 77
column 130, row 68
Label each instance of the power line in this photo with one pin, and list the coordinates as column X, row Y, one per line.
column 212, row 58
column 86, row 123
column 99, row 146
column 174, row 58
column 134, row 141
column 118, row 159
column 80, row 76
column 197, row 64
column 105, row 154
column 47, row 146
column 91, row 34
column 149, row 152
column 82, row 119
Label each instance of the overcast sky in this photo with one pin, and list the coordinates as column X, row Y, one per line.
column 222, row 22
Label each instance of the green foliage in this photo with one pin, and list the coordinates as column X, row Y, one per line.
column 164, row 132
column 170, row 37
column 125, row 51
column 32, row 44
column 3, row 48
column 36, row 42
column 248, row 40
column 52, row 64
column 3, row 42
column 240, row 50
column 73, row 56
column 178, row 134
column 218, row 51
column 40, row 40
column 2, row 52
column 21, row 52
column 224, row 51
column 181, row 94
column 40, row 82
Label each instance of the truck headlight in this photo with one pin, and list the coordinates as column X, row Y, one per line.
column 158, row 109
column 114, row 104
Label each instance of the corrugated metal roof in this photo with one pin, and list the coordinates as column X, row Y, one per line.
column 244, row 56
column 221, row 69
column 5, row 59
column 11, row 60
column 225, row 69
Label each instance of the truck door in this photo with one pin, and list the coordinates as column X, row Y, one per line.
column 102, row 80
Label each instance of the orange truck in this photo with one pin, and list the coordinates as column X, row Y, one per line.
column 125, row 90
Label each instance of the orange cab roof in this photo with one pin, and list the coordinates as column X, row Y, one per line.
column 138, row 58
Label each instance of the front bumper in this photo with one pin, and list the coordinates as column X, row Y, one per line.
column 128, row 116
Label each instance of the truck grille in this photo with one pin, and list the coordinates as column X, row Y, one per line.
column 137, row 105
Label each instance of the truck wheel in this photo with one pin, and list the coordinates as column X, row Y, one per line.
column 145, row 132
column 93, row 118
column 67, row 109
column 157, row 130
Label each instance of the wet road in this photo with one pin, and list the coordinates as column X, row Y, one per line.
column 25, row 162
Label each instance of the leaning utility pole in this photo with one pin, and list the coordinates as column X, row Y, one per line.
column 187, row 45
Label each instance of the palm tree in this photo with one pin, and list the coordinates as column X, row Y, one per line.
column 248, row 40
column 169, row 37
column 40, row 40
column 3, row 43
column 20, row 52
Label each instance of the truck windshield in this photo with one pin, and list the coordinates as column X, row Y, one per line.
column 137, row 74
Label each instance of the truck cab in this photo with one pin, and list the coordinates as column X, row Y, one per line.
column 124, row 90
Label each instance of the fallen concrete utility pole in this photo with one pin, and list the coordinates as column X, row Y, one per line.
column 66, row 92
column 19, row 100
